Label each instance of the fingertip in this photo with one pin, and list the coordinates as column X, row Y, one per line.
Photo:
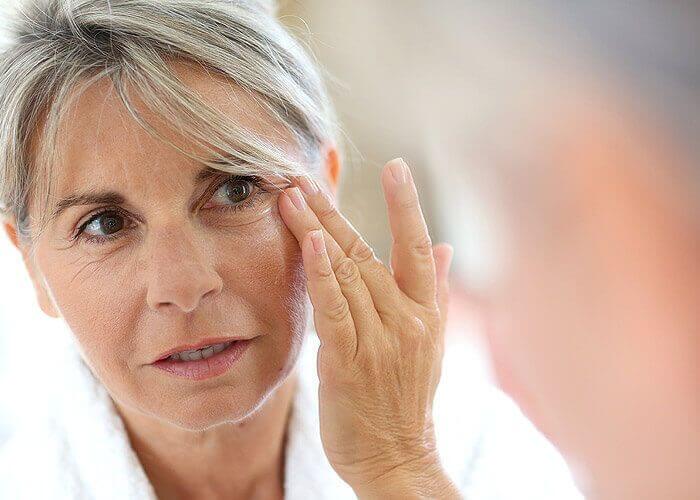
column 449, row 254
column 285, row 202
column 443, row 254
column 443, row 250
column 395, row 173
column 385, row 176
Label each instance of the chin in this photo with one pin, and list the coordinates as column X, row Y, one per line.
column 230, row 404
column 216, row 413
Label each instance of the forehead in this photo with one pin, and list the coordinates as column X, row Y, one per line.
column 102, row 145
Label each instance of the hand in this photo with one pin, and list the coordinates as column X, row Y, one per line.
column 382, row 338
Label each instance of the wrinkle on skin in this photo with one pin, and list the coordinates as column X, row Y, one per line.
column 177, row 276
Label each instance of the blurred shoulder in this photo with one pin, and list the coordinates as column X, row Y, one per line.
column 489, row 448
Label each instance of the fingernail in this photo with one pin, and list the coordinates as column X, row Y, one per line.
column 317, row 241
column 297, row 198
column 399, row 170
column 308, row 185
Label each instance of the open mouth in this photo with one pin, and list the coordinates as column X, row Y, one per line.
column 197, row 354
column 205, row 362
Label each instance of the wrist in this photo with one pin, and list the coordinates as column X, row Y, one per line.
column 415, row 479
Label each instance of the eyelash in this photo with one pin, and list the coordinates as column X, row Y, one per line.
column 258, row 184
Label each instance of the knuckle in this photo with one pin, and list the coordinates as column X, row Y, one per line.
column 409, row 203
column 405, row 323
column 346, row 271
column 360, row 251
column 327, row 209
column 324, row 272
column 423, row 246
column 337, row 310
column 414, row 327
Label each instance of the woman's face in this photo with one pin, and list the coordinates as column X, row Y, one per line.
column 173, row 261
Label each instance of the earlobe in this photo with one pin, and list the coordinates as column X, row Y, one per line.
column 11, row 231
column 332, row 166
column 45, row 302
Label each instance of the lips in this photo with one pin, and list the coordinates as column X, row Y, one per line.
column 199, row 345
column 206, row 368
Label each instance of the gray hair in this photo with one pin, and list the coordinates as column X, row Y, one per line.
column 58, row 46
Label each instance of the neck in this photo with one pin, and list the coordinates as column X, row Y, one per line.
column 234, row 460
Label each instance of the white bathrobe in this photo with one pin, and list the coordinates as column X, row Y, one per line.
column 78, row 449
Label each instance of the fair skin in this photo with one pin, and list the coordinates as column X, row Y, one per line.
column 176, row 271
column 593, row 321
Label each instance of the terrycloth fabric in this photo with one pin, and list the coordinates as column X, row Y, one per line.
column 79, row 448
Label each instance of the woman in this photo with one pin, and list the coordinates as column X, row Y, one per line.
column 163, row 175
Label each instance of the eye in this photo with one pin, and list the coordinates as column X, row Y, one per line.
column 238, row 190
column 104, row 224
column 234, row 191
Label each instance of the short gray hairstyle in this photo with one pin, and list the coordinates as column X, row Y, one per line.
column 58, row 46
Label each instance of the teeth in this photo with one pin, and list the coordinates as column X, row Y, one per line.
column 197, row 354
column 191, row 355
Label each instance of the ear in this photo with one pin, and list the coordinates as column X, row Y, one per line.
column 331, row 165
column 46, row 303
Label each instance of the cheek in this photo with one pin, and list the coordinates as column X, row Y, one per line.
column 99, row 306
column 266, row 287
column 264, row 271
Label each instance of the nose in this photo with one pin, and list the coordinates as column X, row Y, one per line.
column 181, row 271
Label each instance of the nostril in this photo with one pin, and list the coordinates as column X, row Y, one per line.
column 184, row 285
column 209, row 293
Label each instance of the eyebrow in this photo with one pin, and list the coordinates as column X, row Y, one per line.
column 113, row 197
